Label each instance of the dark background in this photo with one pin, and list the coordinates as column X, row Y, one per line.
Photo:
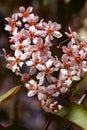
column 23, row 112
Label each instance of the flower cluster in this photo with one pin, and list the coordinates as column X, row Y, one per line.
column 32, row 59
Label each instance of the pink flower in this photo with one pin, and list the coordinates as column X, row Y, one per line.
column 18, row 37
column 76, row 59
column 43, row 49
column 32, row 63
column 51, row 29
column 67, row 76
column 45, row 95
column 47, row 75
column 82, row 47
column 69, row 49
column 33, row 87
column 65, row 62
column 54, row 107
column 15, row 62
column 72, row 35
column 31, row 21
column 39, row 25
column 53, row 90
column 13, row 23
column 45, row 70
column 32, row 35
column 24, row 13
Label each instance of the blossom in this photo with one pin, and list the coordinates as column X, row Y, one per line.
column 33, row 62
column 43, row 73
column 67, row 76
column 15, row 62
column 24, row 13
column 32, row 20
column 13, row 23
column 72, row 35
column 33, row 87
column 69, row 49
column 18, row 37
column 42, row 48
column 65, row 62
column 51, row 29
column 32, row 35
column 52, row 107
column 45, row 70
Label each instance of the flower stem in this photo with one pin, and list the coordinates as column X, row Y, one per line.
column 48, row 123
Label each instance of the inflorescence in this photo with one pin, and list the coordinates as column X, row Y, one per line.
column 32, row 59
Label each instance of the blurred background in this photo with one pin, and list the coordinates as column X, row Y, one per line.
column 24, row 112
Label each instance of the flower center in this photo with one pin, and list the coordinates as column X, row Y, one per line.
column 35, row 62
column 78, row 59
column 41, row 47
column 49, row 31
column 21, row 39
column 65, row 65
column 69, row 52
column 32, row 23
column 69, row 76
column 20, row 47
column 47, row 71
column 31, row 35
column 13, row 23
column 25, row 14
column 81, row 45
column 17, row 60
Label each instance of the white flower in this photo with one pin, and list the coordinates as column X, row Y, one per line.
column 51, row 29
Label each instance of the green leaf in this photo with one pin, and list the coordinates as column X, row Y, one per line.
column 75, row 114
column 9, row 94
column 82, row 86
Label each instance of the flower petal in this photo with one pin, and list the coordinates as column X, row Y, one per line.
column 31, row 93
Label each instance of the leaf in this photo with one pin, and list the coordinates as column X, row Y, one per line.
column 9, row 94
column 74, row 86
column 77, row 89
column 82, row 86
column 75, row 114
